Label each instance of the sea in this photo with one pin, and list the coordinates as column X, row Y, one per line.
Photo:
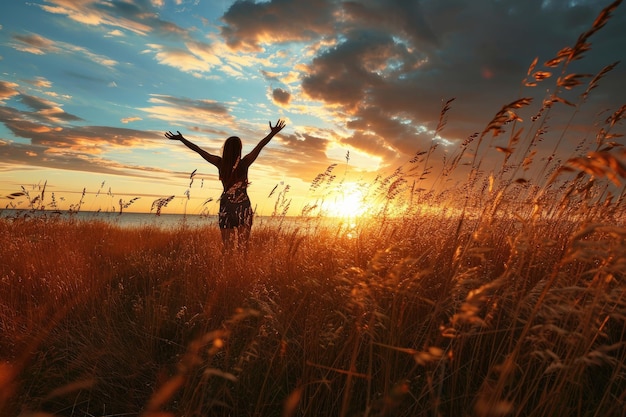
column 124, row 219
column 173, row 221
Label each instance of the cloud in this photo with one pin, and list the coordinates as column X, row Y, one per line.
column 286, row 78
column 396, row 62
column 271, row 76
column 185, row 111
column 8, row 90
column 40, row 82
column 201, row 58
column 375, row 71
column 306, row 145
column 281, row 97
column 34, row 44
column 64, row 147
column 59, row 146
column 39, row 45
column 365, row 61
column 89, row 139
column 402, row 17
column 45, row 123
column 46, row 111
column 96, row 58
column 301, row 155
column 126, row 120
column 32, row 155
column 138, row 17
column 179, row 58
column 249, row 25
column 116, row 32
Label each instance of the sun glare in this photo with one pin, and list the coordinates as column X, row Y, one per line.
column 349, row 202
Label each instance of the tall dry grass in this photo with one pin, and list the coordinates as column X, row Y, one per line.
column 501, row 295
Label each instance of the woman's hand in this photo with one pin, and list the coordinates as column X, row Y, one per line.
column 278, row 127
column 172, row 136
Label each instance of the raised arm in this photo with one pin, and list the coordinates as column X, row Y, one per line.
column 251, row 157
column 212, row 159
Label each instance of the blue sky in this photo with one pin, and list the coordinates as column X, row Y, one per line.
column 87, row 88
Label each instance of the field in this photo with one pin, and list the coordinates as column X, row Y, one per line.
column 406, row 317
column 501, row 295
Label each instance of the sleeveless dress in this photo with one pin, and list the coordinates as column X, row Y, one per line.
column 235, row 206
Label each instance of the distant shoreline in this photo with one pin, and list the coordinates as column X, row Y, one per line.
column 164, row 220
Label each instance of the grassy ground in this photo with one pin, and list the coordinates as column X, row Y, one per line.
column 404, row 318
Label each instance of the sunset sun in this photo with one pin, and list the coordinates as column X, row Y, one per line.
column 350, row 201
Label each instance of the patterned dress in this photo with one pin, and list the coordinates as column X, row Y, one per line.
column 235, row 206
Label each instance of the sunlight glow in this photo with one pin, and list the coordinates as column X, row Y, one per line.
column 349, row 202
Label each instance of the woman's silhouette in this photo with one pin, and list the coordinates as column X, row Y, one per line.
column 235, row 215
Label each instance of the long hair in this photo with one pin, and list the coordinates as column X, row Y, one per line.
column 231, row 155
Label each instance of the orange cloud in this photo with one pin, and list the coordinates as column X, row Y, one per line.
column 34, row 44
column 130, row 119
column 179, row 111
column 250, row 25
column 39, row 45
column 180, row 58
column 8, row 90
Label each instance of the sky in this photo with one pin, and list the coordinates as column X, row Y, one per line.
column 88, row 88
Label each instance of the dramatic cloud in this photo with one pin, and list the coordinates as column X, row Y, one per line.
column 249, row 25
column 398, row 61
column 348, row 72
column 396, row 16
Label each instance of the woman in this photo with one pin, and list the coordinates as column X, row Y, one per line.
column 235, row 215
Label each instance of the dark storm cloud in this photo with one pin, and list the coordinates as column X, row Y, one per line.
column 345, row 74
column 404, row 17
column 250, row 24
column 407, row 58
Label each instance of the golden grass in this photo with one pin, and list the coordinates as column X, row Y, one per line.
column 402, row 319
column 501, row 295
